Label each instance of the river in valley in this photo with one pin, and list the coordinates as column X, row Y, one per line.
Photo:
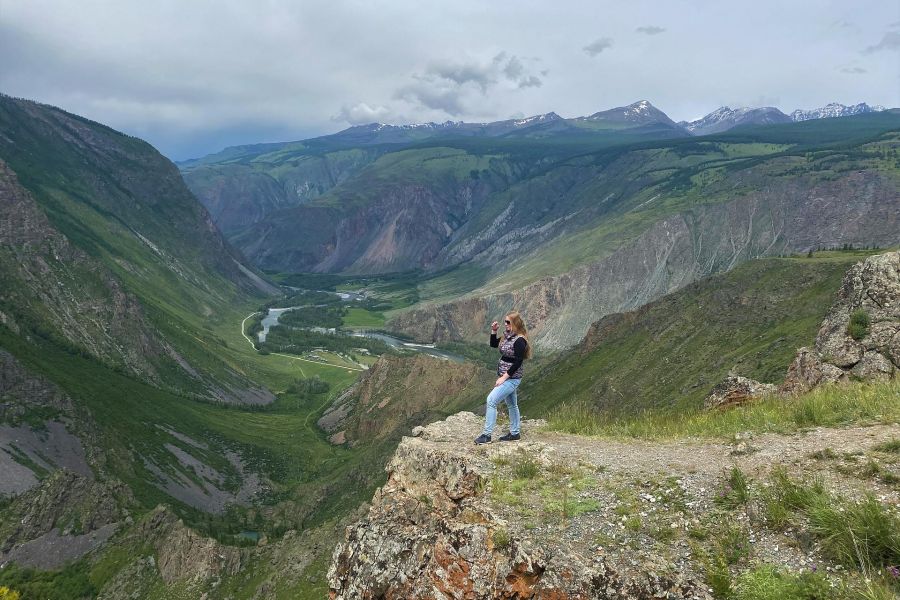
column 271, row 319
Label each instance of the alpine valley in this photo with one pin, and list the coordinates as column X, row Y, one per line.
column 207, row 370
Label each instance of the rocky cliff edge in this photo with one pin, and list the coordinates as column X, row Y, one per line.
column 560, row 516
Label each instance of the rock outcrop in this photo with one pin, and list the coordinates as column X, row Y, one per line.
column 432, row 532
column 860, row 336
column 59, row 521
column 737, row 390
column 398, row 392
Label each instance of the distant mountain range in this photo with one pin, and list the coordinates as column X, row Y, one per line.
column 640, row 119
column 639, row 114
column 725, row 118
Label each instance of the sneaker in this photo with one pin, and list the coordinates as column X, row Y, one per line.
column 510, row 437
column 483, row 439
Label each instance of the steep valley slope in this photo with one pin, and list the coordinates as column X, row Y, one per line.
column 125, row 382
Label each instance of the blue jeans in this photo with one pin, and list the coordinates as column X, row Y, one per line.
column 503, row 393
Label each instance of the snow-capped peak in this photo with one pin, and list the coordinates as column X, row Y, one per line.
column 834, row 109
column 550, row 116
column 639, row 108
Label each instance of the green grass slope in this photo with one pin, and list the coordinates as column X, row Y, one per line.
column 669, row 354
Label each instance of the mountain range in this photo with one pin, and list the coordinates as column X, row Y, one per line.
column 539, row 215
column 641, row 113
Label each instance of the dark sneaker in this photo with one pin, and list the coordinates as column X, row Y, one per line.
column 510, row 437
column 483, row 439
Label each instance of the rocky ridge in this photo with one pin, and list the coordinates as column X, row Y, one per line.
column 432, row 533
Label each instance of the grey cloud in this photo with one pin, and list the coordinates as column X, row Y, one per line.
column 890, row 41
column 853, row 70
column 483, row 76
column 650, row 29
column 598, row 46
column 447, row 100
column 514, row 69
column 449, row 86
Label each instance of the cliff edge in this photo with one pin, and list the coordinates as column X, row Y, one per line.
column 562, row 516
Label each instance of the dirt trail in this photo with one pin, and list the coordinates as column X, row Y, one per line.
column 711, row 458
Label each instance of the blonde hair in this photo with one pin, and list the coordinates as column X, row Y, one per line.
column 518, row 326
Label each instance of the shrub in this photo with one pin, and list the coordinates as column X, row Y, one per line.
column 859, row 324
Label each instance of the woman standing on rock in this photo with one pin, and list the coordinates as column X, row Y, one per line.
column 514, row 349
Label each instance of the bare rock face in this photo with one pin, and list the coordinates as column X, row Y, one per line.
column 430, row 533
column 807, row 371
column 737, row 390
column 870, row 288
column 63, row 518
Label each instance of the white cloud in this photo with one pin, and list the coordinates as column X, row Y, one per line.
column 362, row 114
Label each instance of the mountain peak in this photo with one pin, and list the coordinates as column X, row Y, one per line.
column 724, row 118
column 641, row 112
column 834, row 109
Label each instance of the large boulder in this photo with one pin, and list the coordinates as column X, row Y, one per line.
column 869, row 293
column 737, row 390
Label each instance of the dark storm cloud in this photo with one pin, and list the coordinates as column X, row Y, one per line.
column 598, row 46
column 650, row 30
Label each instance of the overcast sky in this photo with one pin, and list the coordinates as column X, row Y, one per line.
column 194, row 76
